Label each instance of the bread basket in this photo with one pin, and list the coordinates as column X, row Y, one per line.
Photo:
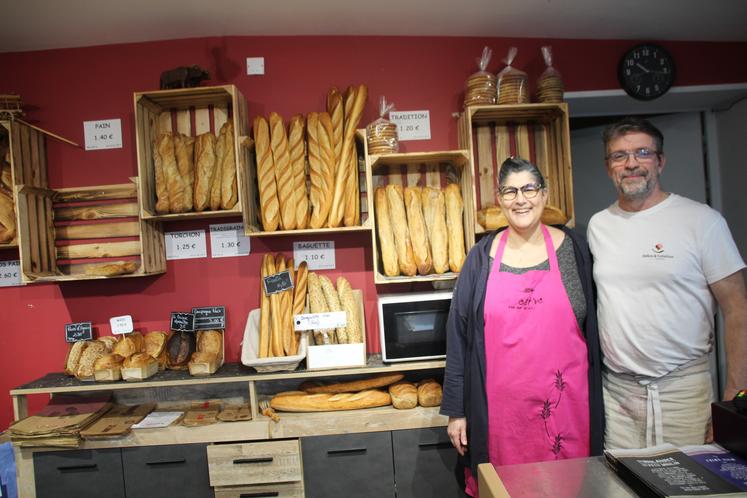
column 250, row 348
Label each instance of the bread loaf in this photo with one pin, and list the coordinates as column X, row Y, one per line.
column 381, row 380
column 129, row 344
column 283, row 172
column 335, row 109
column 327, row 156
column 404, row 395
column 298, row 166
column 216, row 185
column 94, row 351
column 318, row 177
column 351, row 215
column 402, row 243
column 174, row 181
column 109, row 341
column 162, row 193
column 268, row 196
column 107, row 361
column 333, row 305
column 286, row 320
column 210, row 341
column 276, row 316
column 421, row 250
column 455, row 226
column 205, row 146
column 429, row 393
column 385, row 232
column 318, row 304
column 73, row 356
column 353, row 331
column 180, row 347
column 264, row 313
column 139, row 360
column 229, row 194
column 330, row 402
column 112, row 269
column 184, row 147
column 290, row 295
column 434, row 213
column 299, row 293
column 7, row 214
column 155, row 342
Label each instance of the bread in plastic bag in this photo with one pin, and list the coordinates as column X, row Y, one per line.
column 481, row 86
column 513, row 84
column 550, row 86
column 382, row 133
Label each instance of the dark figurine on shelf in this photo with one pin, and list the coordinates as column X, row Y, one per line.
column 183, row 77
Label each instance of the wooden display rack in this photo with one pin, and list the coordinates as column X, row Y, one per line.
column 82, row 226
column 191, row 111
column 434, row 169
column 537, row 132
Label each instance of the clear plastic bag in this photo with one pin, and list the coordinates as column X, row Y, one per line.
column 513, row 84
column 480, row 86
column 382, row 134
column 550, row 86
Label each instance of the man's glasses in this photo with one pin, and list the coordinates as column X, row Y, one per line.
column 642, row 155
column 530, row 191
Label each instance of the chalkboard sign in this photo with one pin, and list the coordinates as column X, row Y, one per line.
column 81, row 331
column 210, row 317
column 181, row 321
column 278, row 282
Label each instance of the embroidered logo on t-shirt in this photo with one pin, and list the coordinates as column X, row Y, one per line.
column 658, row 249
column 658, row 252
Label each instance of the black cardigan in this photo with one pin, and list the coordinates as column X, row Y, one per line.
column 464, row 375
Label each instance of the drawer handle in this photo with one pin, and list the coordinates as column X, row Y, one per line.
column 167, row 462
column 348, row 451
column 73, row 468
column 261, row 494
column 437, row 445
column 239, row 461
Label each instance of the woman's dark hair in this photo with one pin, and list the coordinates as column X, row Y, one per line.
column 632, row 124
column 517, row 165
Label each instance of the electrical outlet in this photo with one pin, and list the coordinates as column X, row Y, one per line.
column 255, row 65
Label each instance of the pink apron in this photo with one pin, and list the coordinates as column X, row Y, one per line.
column 536, row 367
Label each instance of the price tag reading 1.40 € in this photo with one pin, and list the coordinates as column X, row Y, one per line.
column 228, row 239
column 186, row 245
column 318, row 255
column 10, row 273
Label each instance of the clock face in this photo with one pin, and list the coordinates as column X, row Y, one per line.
column 646, row 71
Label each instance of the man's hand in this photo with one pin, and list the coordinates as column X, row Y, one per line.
column 457, row 430
column 732, row 299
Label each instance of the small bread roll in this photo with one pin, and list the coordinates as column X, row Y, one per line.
column 404, row 395
column 429, row 393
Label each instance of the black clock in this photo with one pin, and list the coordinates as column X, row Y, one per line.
column 646, row 71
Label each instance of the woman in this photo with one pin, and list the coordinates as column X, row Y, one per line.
column 522, row 379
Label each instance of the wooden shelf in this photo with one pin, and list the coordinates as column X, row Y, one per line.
column 365, row 227
column 458, row 157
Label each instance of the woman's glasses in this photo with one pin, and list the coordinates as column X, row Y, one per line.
column 530, row 191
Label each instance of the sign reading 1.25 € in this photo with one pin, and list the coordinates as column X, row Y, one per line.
column 412, row 125
column 319, row 255
column 105, row 134
column 186, row 244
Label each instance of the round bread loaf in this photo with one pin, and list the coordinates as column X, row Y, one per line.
column 404, row 395
column 429, row 393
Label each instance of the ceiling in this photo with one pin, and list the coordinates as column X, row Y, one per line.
column 44, row 24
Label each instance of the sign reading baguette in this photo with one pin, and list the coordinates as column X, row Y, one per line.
column 187, row 244
column 210, row 317
column 10, row 273
column 317, row 321
column 121, row 324
column 319, row 255
column 412, row 125
column 80, row 331
column 278, row 282
column 182, row 322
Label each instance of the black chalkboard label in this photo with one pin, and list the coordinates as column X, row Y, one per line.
column 278, row 282
column 210, row 317
column 81, row 331
column 181, row 321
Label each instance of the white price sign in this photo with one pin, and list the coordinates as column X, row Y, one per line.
column 319, row 255
column 228, row 239
column 105, row 134
column 121, row 324
column 412, row 125
column 317, row 321
column 186, row 245
column 10, row 273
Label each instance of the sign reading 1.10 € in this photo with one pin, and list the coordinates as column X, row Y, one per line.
column 186, row 244
column 319, row 255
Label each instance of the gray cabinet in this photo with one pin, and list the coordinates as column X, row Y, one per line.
column 79, row 474
column 176, row 470
column 424, row 461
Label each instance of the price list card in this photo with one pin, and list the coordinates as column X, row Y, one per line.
column 187, row 244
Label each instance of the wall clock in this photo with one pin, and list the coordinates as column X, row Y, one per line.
column 646, row 71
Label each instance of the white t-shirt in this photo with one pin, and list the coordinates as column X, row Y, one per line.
column 652, row 269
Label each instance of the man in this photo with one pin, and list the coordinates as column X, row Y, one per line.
column 659, row 261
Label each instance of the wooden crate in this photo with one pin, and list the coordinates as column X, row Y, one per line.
column 537, row 132
column 252, row 219
column 434, row 169
column 65, row 231
column 190, row 111
column 28, row 161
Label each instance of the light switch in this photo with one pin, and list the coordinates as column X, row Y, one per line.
column 255, row 65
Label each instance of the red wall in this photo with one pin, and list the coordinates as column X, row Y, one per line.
column 63, row 88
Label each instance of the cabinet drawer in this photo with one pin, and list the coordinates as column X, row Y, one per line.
column 254, row 463
column 424, row 462
column 79, row 474
column 280, row 490
column 358, row 465
column 175, row 470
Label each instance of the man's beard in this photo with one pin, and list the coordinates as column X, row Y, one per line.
column 641, row 188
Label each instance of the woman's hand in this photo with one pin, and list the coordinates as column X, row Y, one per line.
column 457, row 430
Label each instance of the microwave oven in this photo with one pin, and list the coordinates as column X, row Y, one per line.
column 412, row 326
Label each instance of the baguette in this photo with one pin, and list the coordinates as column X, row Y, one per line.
column 298, row 167
column 112, row 269
column 184, row 148
column 429, row 393
column 317, row 174
column 229, row 193
column 333, row 304
column 381, row 380
column 317, row 304
column 174, row 181
column 386, row 234
column 434, row 213
column 289, row 337
column 283, row 172
column 7, row 216
column 276, row 316
column 421, row 249
column 264, row 313
column 353, row 331
column 330, row 402
column 205, row 145
column 220, row 154
column 402, row 243
column 299, row 294
column 268, row 195
column 162, row 192
column 325, row 134
column 455, row 227
column 351, row 216
column 336, row 112
column 404, row 395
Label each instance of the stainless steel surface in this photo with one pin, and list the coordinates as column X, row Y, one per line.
column 578, row 477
